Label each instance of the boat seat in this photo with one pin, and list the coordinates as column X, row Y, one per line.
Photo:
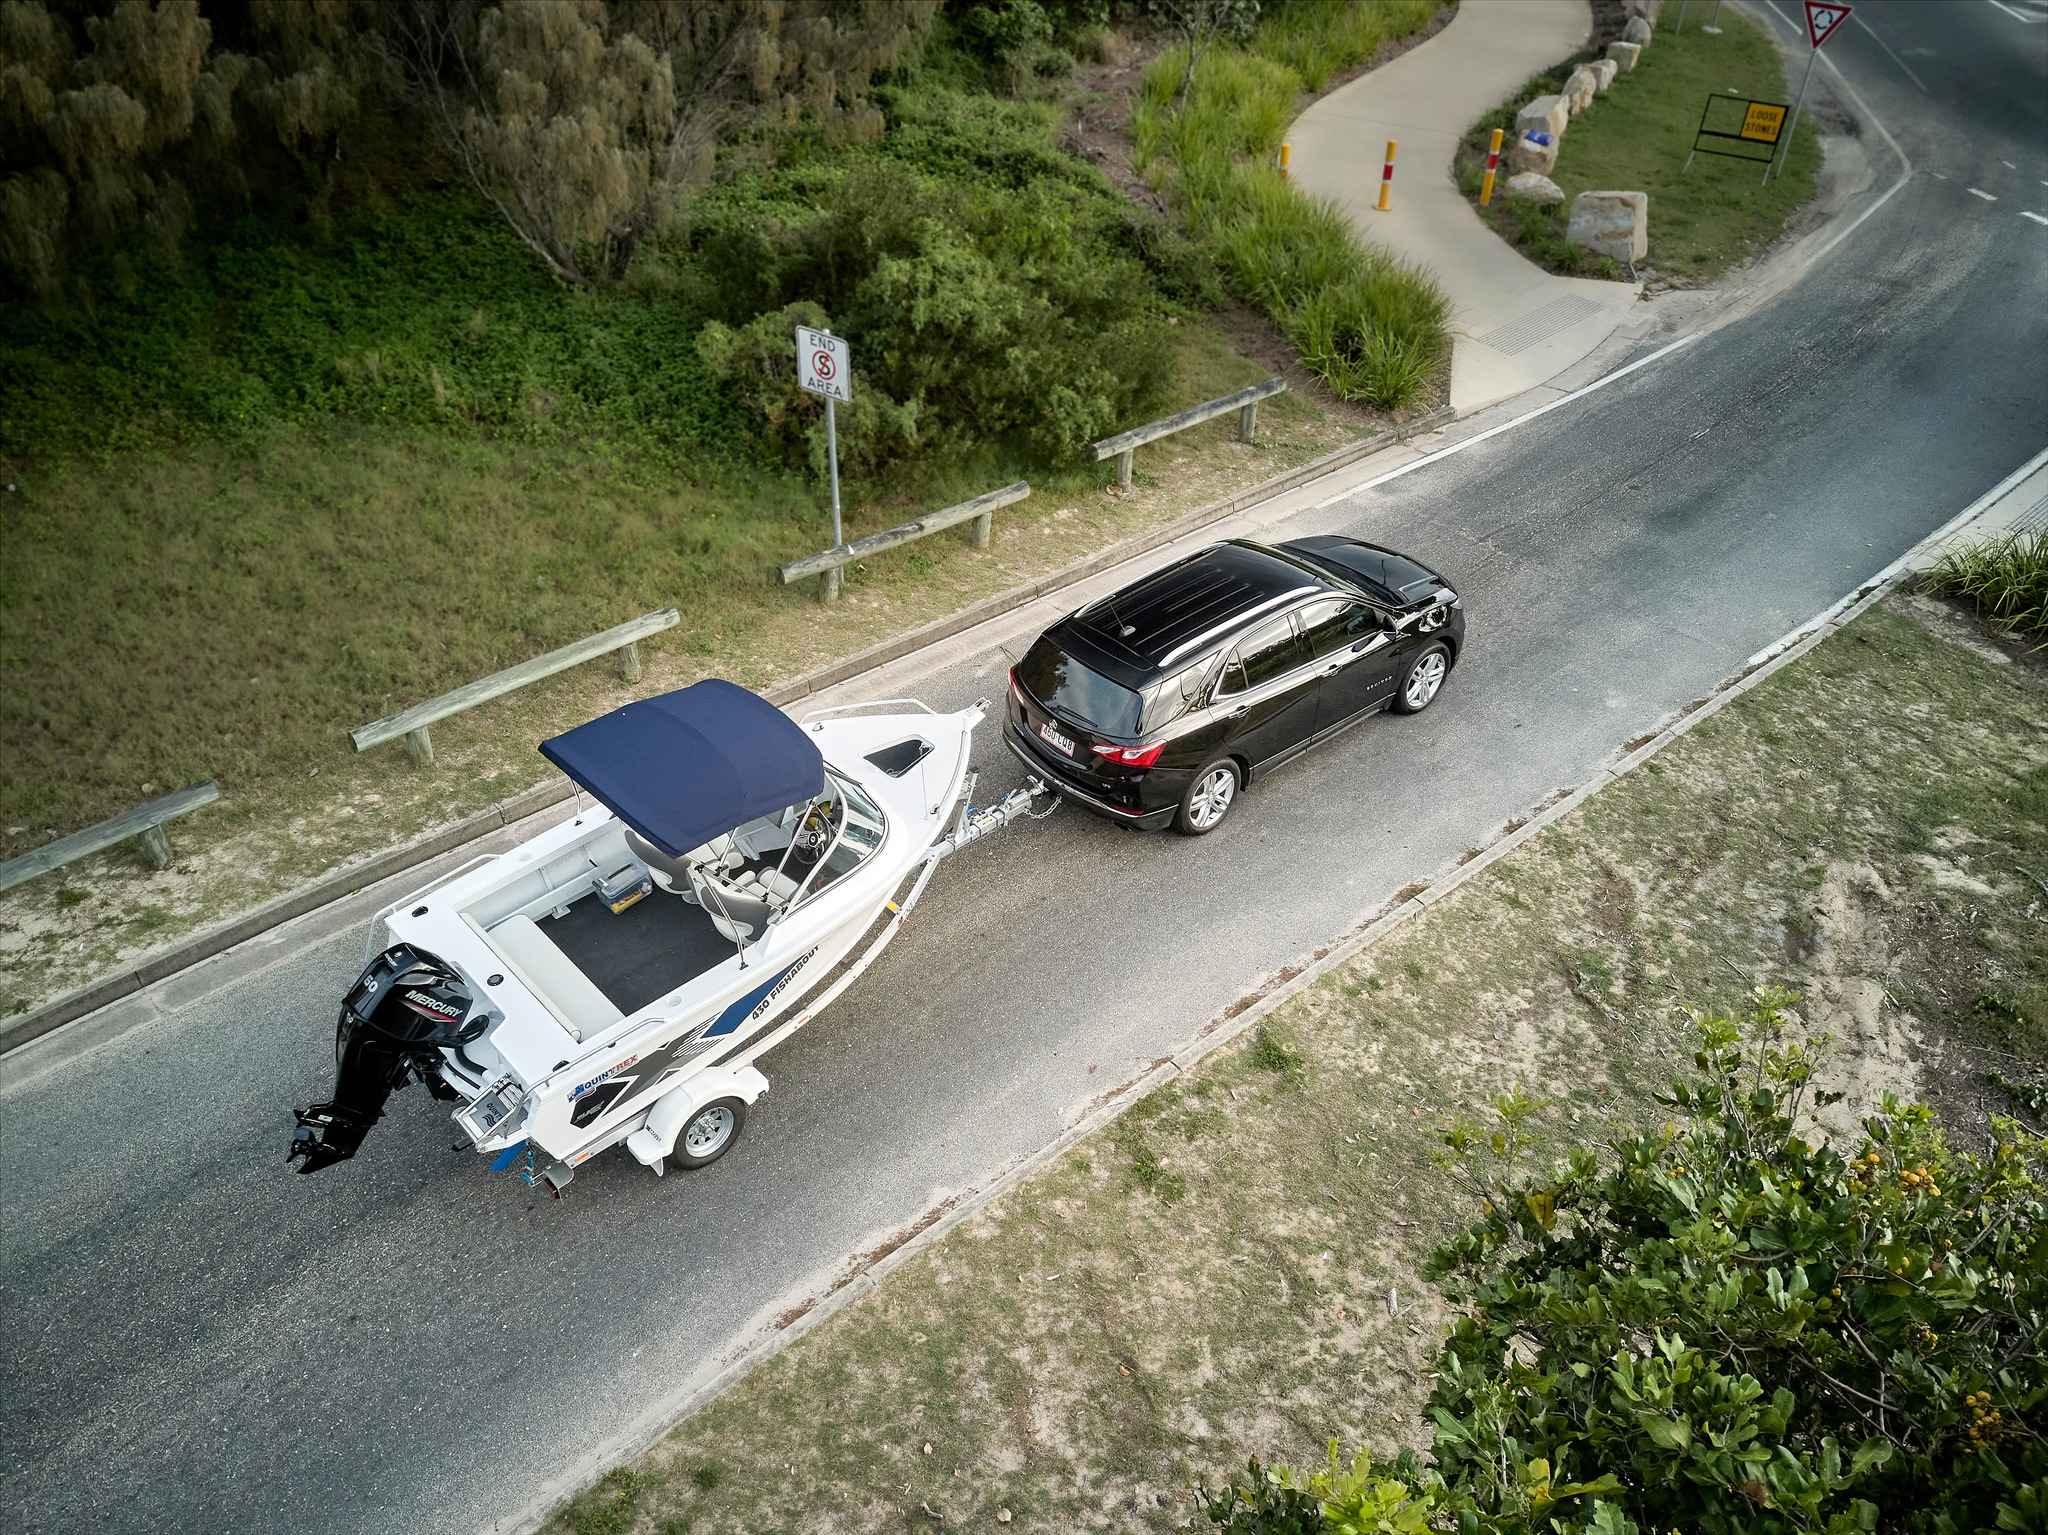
column 553, row 977
column 773, row 884
column 739, row 911
column 668, row 871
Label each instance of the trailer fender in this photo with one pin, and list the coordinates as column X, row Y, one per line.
column 652, row 1143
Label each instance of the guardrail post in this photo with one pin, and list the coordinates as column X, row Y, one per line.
column 828, row 589
column 419, row 748
column 1247, row 421
column 981, row 530
column 629, row 662
column 156, row 847
column 1123, row 467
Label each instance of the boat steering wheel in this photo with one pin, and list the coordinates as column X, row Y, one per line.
column 814, row 832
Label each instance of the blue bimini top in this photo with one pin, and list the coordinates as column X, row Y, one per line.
column 691, row 765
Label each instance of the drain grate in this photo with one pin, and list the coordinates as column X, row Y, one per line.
column 1539, row 324
column 2034, row 519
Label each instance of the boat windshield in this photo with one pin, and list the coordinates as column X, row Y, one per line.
column 856, row 828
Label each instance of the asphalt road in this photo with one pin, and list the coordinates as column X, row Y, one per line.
column 198, row 1339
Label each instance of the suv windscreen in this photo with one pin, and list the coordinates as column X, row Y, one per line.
column 1087, row 697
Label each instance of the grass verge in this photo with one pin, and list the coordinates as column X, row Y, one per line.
column 1636, row 138
column 240, row 607
column 1231, row 1266
column 1369, row 326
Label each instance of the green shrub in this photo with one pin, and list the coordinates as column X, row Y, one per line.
column 1725, row 1327
column 1369, row 327
column 2005, row 579
column 1001, row 296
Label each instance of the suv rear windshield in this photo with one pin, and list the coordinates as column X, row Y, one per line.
column 1088, row 698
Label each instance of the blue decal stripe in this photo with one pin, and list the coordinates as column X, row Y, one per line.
column 730, row 1018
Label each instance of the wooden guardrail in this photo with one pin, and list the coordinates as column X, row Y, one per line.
column 980, row 512
column 145, row 823
column 1245, row 402
column 412, row 723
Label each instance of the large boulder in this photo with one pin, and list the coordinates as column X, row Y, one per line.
column 1546, row 114
column 1528, row 155
column 1637, row 31
column 1613, row 224
column 1529, row 187
column 1646, row 9
column 1604, row 71
column 1624, row 55
column 1580, row 89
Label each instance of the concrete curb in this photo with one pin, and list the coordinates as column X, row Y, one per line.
column 34, row 1024
column 1247, row 1013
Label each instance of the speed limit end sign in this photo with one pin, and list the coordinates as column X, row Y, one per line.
column 823, row 364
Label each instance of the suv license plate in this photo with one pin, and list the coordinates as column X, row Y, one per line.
column 1064, row 743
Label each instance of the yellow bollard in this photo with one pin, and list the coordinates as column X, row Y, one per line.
column 1492, row 164
column 1285, row 154
column 1387, row 178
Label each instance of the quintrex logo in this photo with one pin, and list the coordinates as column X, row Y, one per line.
column 582, row 1088
column 433, row 1005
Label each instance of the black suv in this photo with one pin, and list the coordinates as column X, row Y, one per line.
column 1160, row 702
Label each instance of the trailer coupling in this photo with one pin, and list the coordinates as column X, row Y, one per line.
column 404, row 1009
column 975, row 824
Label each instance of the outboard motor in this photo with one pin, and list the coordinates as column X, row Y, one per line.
column 402, row 1011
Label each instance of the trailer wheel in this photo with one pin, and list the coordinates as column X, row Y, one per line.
column 710, row 1132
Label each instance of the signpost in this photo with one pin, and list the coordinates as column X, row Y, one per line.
column 1822, row 18
column 1759, row 126
column 824, row 365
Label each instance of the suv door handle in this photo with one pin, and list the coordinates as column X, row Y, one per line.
column 1239, row 712
column 1333, row 668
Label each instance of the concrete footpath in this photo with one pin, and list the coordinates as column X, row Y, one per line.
column 1513, row 324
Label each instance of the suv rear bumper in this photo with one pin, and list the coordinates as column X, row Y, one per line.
column 1061, row 784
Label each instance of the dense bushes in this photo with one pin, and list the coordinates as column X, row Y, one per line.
column 997, row 291
column 995, row 309
column 1726, row 1327
column 1368, row 325
column 2005, row 579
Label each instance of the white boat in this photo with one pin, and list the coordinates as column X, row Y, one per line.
column 614, row 979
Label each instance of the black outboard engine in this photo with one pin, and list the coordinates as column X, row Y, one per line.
column 401, row 1012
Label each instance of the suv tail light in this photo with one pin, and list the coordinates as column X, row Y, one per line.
column 1131, row 756
column 1016, row 687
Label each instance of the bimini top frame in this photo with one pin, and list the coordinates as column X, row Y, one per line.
column 684, row 767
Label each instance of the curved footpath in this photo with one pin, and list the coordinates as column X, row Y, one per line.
column 1513, row 324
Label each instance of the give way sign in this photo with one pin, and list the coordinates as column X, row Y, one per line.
column 824, row 365
column 1822, row 17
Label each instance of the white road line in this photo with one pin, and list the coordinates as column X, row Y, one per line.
column 1905, row 175
column 2016, row 16
column 1506, row 426
column 1887, row 47
column 2035, row 217
column 2008, row 165
column 1961, row 519
column 1939, row 176
column 1905, row 161
column 1975, row 192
